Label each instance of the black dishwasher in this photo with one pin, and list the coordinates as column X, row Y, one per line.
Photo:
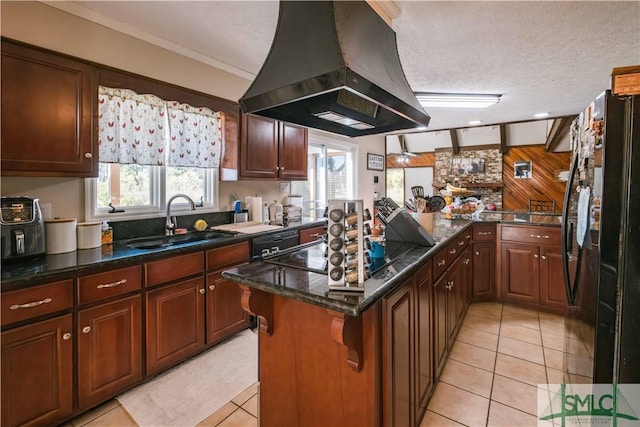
column 273, row 243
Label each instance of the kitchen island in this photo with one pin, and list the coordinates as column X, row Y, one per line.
column 371, row 358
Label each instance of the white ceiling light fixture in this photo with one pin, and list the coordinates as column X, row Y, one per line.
column 456, row 100
column 475, row 122
column 541, row 115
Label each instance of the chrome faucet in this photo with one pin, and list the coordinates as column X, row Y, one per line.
column 172, row 222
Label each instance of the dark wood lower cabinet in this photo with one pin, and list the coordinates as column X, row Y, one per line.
column 520, row 272
column 109, row 349
column 398, row 318
column 552, row 289
column 483, row 271
column 37, row 373
column 423, row 339
column 175, row 323
column 224, row 313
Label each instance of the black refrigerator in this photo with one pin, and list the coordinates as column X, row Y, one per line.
column 601, row 244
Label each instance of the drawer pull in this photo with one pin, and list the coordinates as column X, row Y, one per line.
column 544, row 257
column 314, row 235
column 86, row 329
column 484, row 233
column 461, row 243
column 468, row 236
column 31, row 304
column 466, row 261
column 538, row 236
column 535, row 256
column 477, row 253
column 112, row 284
column 201, row 291
column 66, row 336
column 452, row 251
column 441, row 263
column 212, row 287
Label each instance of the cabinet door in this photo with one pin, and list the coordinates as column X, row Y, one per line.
column 424, row 347
column 47, row 104
column 109, row 349
column 398, row 340
column 37, row 378
column 440, row 335
column 259, row 147
column 225, row 315
column 455, row 306
column 520, row 272
column 175, row 323
column 483, row 271
column 292, row 152
column 552, row 290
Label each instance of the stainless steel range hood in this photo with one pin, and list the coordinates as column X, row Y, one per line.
column 334, row 66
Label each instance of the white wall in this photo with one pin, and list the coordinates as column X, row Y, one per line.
column 51, row 28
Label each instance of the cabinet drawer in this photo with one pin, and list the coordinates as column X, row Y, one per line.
column 308, row 235
column 227, row 255
column 459, row 244
column 36, row 301
column 100, row 286
column 166, row 270
column 547, row 236
column 484, row 233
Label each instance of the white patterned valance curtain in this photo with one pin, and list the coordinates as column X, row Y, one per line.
column 148, row 130
column 132, row 127
column 196, row 136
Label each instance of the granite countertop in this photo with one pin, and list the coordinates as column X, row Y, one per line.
column 34, row 271
column 312, row 287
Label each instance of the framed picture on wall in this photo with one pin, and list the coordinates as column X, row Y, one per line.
column 467, row 166
column 522, row 169
column 375, row 162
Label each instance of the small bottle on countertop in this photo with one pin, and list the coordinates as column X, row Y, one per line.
column 107, row 233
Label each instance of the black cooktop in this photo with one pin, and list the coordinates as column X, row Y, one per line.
column 312, row 256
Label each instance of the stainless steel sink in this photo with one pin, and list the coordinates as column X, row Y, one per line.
column 155, row 242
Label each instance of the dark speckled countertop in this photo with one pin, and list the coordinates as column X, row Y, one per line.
column 45, row 268
column 313, row 287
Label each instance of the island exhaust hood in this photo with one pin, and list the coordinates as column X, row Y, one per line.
column 334, row 66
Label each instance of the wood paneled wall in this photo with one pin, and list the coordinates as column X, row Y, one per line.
column 417, row 161
column 543, row 185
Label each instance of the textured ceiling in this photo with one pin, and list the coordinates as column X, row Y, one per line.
column 543, row 56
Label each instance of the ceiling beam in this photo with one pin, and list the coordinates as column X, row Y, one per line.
column 503, row 139
column 387, row 9
column 454, row 141
column 559, row 129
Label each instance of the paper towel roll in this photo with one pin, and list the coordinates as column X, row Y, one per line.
column 89, row 235
column 60, row 235
column 254, row 206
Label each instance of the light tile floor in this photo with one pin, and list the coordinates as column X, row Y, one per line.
column 501, row 353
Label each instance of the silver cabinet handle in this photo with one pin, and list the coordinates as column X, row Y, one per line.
column 201, row 291
column 544, row 257
column 466, row 261
column 461, row 243
column 86, row 329
column 281, row 168
column 112, row 284
column 31, row 304
column 477, row 253
column 538, row 236
column 441, row 263
column 484, row 233
column 66, row 336
column 535, row 256
column 212, row 287
column 314, row 235
column 452, row 251
column 277, row 168
column 468, row 236
column 88, row 155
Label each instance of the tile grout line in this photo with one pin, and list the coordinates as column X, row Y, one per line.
column 495, row 362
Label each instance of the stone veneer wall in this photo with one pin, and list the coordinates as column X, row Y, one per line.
column 493, row 171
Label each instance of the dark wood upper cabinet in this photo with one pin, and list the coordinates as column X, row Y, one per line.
column 48, row 102
column 272, row 150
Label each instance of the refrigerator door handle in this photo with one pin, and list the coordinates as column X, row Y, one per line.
column 567, row 238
